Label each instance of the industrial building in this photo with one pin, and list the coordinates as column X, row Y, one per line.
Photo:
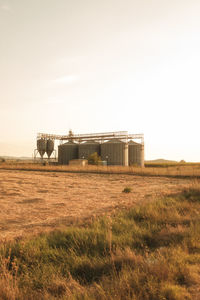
column 115, row 148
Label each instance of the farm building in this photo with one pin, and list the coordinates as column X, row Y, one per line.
column 114, row 148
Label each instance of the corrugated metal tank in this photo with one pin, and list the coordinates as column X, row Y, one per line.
column 86, row 149
column 66, row 152
column 49, row 147
column 136, row 154
column 115, row 152
column 41, row 146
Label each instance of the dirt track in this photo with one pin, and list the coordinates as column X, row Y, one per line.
column 31, row 202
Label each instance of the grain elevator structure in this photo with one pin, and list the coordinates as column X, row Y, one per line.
column 115, row 148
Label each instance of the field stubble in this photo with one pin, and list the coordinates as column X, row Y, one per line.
column 36, row 201
column 170, row 170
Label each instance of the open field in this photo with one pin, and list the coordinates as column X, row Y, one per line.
column 35, row 201
column 124, row 246
column 148, row 252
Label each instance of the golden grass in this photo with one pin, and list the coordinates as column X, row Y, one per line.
column 150, row 252
column 176, row 170
column 32, row 202
column 9, row 282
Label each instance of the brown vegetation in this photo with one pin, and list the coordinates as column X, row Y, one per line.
column 37, row 201
column 150, row 252
column 167, row 170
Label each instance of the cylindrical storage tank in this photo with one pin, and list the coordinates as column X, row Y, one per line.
column 49, row 147
column 60, row 154
column 136, row 154
column 115, row 152
column 41, row 146
column 142, row 155
column 66, row 152
column 88, row 148
column 126, row 160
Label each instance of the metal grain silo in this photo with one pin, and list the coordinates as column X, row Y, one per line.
column 142, row 156
column 136, row 154
column 88, row 148
column 41, row 146
column 115, row 152
column 49, row 147
column 66, row 152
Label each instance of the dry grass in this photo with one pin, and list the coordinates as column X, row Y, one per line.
column 176, row 170
column 149, row 252
column 38, row 201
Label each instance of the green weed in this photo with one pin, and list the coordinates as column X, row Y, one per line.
column 126, row 190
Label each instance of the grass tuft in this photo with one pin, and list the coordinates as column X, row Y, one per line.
column 127, row 190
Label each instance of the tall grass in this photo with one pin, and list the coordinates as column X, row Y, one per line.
column 147, row 252
column 170, row 170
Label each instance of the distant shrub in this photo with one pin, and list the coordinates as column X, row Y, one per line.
column 126, row 190
column 182, row 161
column 94, row 159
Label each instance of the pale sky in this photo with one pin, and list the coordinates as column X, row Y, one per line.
column 101, row 65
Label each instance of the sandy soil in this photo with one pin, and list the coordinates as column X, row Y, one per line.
column 32, row 202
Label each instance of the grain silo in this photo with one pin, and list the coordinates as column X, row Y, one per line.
column 115, row 152
column 115, row 148
column 49, row 147
column 136, row 154
column 88, row 148
column 41, row 146
column 66, row 152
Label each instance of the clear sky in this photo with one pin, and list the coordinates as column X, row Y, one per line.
column 101, row 65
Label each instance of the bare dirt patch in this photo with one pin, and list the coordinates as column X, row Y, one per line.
column 32, row 202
